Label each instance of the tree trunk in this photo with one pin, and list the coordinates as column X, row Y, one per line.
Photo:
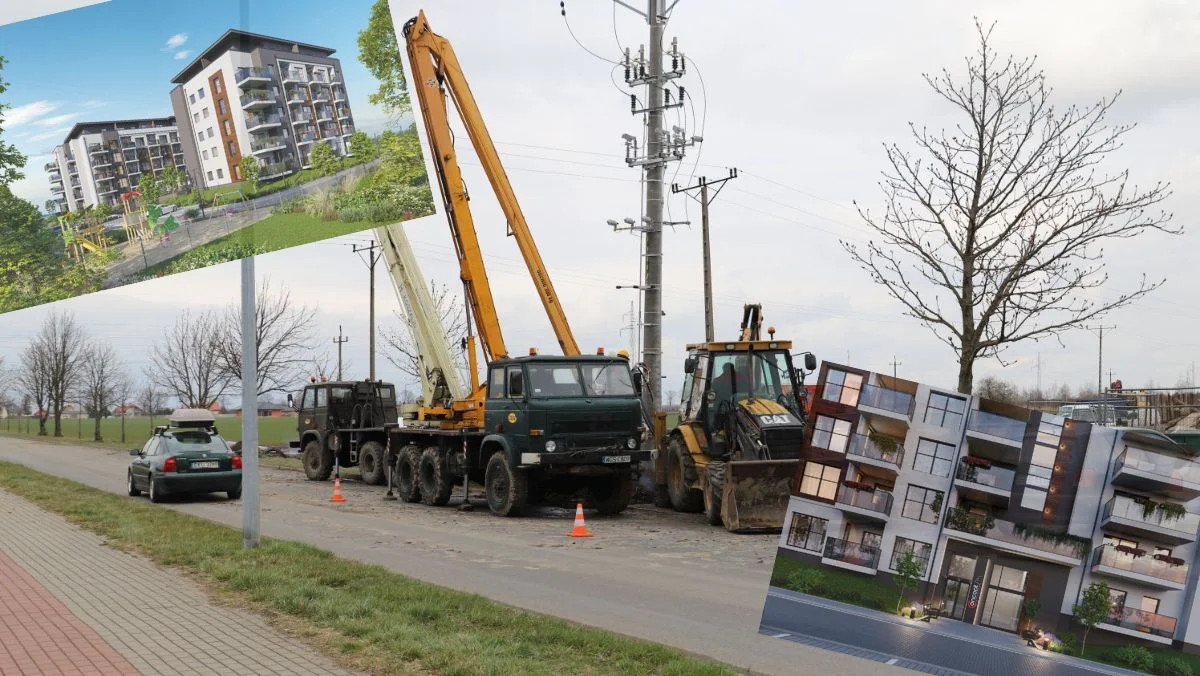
column 99, row 437
column 966, row 372
column 42, row 426
column 58, row 423
column 122, row 428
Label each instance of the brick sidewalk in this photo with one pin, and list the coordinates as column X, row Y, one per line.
column 70, row 605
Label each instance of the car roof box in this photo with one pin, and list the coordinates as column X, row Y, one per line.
column 192, row 417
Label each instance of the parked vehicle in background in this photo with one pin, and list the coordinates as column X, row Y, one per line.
column 185, row 456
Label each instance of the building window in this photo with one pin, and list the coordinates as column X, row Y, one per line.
column 200, row 92
column 232, row 149
column 922, row 504
column 921, row 550
column 934, row 457
column 831, row 434
column 217, row 86
column 944, row 410
column 220, row 173
column 228, row 128
column 842, row 387
column 1037, row 481
column 205, row 154
column 210, row 176
column 806, row 532
column 1150, row 604
column 820, row 481
column 204, row 112
column 237, row 173
column 192, row 98
column 200, row 136
column 195, row 117
column 216, row 152
column 222, row 107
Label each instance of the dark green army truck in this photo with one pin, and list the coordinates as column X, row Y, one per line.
column 554, row 430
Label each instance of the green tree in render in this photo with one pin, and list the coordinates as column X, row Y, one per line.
column 379, row 50
column 1092, row 609
column 324, row 160
column 12, row 161
column 251, row 170
column 908, row 574
column 362, row 146
column 150, row 187
column 171, row 179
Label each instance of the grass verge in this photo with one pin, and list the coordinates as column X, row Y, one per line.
column 831, row 583
column 366, row 616
column 272, row 430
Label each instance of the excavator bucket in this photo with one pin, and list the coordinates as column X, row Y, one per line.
column 755, row 494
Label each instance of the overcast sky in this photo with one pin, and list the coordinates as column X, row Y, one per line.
column 799, row 98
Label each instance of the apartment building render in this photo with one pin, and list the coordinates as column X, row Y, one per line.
column 264, row 97
column 999, row 504
column 99, row 161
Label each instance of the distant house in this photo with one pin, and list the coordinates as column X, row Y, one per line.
column 216, row 407
column 128, row 409
column 269, row 412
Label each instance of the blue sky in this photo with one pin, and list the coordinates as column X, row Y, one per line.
column 115, row 60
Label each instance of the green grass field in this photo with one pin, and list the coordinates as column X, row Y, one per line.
column 271, row 431
column 365, row 616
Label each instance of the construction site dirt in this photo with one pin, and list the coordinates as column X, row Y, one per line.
column 651, row 573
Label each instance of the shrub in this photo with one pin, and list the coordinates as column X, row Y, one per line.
column 191, row 212
column 1173, row 666
column 1135, row 657
column 202, row 258
column 805, row 580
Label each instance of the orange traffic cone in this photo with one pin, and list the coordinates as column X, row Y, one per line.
column 580, row 530
column 337, row 491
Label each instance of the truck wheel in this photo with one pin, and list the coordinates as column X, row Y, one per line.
column 370, row 464
column 507, row 488
column 712, row 501
column 684, row 498
column 407, row 473
column 318, row 464
column 612, row 494
column 435, row 478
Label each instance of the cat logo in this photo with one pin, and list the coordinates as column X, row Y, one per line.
column 512, row 418
column 782, row 419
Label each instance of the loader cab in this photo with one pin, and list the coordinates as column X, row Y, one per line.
column 347, row 405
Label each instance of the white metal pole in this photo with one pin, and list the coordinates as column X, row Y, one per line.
column 250, row 506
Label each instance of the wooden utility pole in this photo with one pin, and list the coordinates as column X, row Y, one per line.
column 372, row 259
column 340, row 340
column 706, row 198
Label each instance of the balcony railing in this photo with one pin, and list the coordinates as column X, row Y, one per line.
column 320, row 96
column 257, row 97
column 329, row 132
column 278, row 168
column 243, row 74
column 304, row 115
column 320, row 76
column 1143, row 621
column 343, row 112
column 1008, row 532
column 1128, row 508
column 339, row 94
column 324, row 113
column 1170, row 468
column 1144, row 564
column 290, row 76
column 253, row 121
column 860, row 444
column 996, row 425
column 50, row 166
column 347, row 129
column 993, row 477
column 888, row 400
column 267, row 144
column 297, row 96
column 853, row 553
column 306, row 137
column 875, row 501
column 97, row 148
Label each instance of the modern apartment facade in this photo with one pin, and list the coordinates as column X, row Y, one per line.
column 99, row 161
column 1000, row 504
column 264, row 97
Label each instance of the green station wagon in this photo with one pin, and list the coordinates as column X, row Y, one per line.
column 185, row 456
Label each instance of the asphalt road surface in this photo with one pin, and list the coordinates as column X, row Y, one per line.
column 648, row 573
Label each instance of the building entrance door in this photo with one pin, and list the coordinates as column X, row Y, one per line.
column 1006, row 593
column 958, row 586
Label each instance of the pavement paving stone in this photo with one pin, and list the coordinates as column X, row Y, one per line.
column 70, row 604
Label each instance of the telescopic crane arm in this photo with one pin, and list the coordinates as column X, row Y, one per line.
column 437, row 77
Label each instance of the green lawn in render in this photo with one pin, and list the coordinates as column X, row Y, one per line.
column 272, row 431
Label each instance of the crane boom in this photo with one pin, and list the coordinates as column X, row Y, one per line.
column 436, row 71
column 441, row 382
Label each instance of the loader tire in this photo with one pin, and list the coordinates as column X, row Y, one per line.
column 318, row 464
column 406, row 476
column 680, row 466
column 612, row 494
column 436, row 483
column 713, row 486
column 371, row 464
column 662, row 497
column 507, row 488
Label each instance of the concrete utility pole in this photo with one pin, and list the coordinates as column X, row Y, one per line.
column 895, row 364
column 250, row 506
column 1099, row 331
column 372, row 259
column 705, row 199
column 340, row 340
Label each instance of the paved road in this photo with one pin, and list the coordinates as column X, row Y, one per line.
column 89, row 609
column 664, row 577
column 946, row 648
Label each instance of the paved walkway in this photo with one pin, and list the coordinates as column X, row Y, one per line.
column 70, row 605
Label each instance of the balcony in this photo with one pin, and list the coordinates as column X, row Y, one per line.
column 58, row 190
column 56, row 177
column 320, row 97
column 1138, row 566
column 245, row 77
column 297, row 76
column 889, row 403
column 97, row 148
column 872, row 504
column 339, row 94
column 329, row 132
column 267, row 145
column 1127, row 515
column 980, row 481
column 297, row 97
column 883, row 452
column 256, row 123
column 996, row 428
column 1160, row 473
column 320, row 77
column 107, row 176
column 305, row 138
column 50, row 166
column 324, row 114
column 1140, row 624
column 347, row 129
column 277, row 169
column 303, row 116
column 853, row 556
column 257, row 99
column 992, row 532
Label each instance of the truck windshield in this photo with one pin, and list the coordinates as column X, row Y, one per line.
column 607, row 380
column 611, row 379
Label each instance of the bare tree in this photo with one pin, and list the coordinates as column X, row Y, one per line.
column 62, row 346
column 187, row 363
column 992, row 233
column 150, row 399
column 996, row 389
column 284, row 339
column 124, row 394
column 404, row 354
column 102, row 381
column 324, row 365
column 34, row 381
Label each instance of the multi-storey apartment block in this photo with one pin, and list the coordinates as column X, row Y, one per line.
column 263, row 97
column 999, row 504
column 99, row 161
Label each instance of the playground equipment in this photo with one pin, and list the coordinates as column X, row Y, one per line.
column 136, row 222
column 80, row 236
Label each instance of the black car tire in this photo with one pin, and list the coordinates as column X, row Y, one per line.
column 436, row 484
column 407, row 474
column 318, row 464
column 612, row 494
column 133, row 489
column 155, row 493
column 234, row 494
column 684, row 498
column 507, row 488
column 370, row 464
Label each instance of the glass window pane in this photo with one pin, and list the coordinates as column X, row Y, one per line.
column 1033, row 499
column 1044, row 455
column 828, row 490
column 962, row 566
column 956, row 405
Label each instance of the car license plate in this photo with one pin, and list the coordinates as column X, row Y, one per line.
column 614, row 459
column 205, row 464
